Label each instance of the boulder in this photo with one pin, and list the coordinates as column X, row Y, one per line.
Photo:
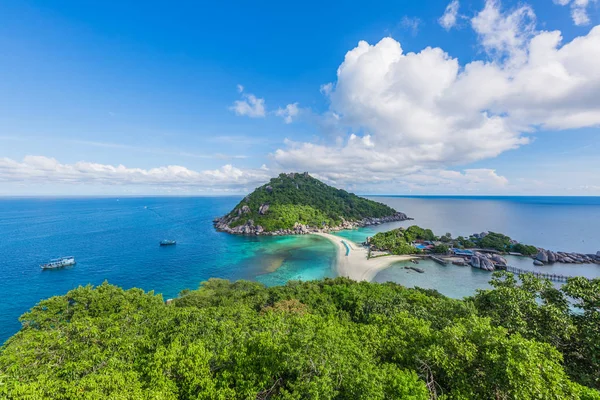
column 538, row 263
column 499, row 260
column 244, row 210
column 475, row 262
column 551, row 257
column 542, row 256
column 487, row 264
column 262, row 210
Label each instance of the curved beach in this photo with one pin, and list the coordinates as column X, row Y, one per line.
column 352, row 262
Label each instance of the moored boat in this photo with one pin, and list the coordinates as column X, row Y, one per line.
column 59, row 263
column 167, row 242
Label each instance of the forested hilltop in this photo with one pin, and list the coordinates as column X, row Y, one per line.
column 330, row 339
column 298, row 203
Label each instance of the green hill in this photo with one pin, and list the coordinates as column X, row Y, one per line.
column 297, row 202
column 330, row 339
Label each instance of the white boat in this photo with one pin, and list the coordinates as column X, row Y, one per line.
column 59, row 263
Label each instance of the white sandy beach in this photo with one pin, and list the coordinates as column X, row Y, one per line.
column 355, row 265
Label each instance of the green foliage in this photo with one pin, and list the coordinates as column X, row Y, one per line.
column 302, row 198
column 525, row 249
column 398, row 241
column 495, row 241
column 393, row 241
column 502, row 243
column 329, row 339
column 285, row 216
column 441, row 249
column 415, row 232
column 538, row 311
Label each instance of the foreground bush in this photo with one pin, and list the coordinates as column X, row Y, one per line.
column 331, row 339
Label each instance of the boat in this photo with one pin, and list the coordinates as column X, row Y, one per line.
column 59, row 263
column 167, row 242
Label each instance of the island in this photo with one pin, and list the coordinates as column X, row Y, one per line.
column 297, row 203
column 480, row 250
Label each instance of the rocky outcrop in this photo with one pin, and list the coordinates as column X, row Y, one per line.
column 243, row 210
column 550, row 257
column 223, row 224
column 483, row 261
column 542, row 256
column 499, row 260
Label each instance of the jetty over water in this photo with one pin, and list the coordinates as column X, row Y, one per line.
column 552, row 277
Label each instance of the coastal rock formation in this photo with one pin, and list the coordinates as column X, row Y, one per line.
column 549, row 257
column 223, row 225
column 499, row 260
column 542, row 256
column 482, row 261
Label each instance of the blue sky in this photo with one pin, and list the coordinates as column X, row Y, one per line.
column 187, row 98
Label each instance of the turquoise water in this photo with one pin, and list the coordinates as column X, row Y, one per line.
column 117, row 240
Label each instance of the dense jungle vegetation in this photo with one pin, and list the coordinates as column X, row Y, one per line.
column 329, row 339
column 398, row 241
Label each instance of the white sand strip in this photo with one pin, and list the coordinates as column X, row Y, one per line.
column 355, row 265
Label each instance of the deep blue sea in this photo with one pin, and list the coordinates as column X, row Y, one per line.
column 117, row 240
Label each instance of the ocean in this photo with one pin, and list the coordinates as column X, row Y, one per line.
column 118, row 240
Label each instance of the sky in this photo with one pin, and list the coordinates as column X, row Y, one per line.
column 466, row 97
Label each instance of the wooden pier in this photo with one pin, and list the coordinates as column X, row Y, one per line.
column 439, row 260
column 552, row 277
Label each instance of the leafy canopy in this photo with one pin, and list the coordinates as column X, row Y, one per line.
column 329, row 339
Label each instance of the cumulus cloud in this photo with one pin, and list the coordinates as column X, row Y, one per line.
column 417, row 111
column 40, row 169
column 249, row 106
column 448, row 20
column 505, row 36
column 579, row 8
column 288, row 113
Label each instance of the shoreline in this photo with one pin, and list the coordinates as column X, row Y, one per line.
column 355, row 264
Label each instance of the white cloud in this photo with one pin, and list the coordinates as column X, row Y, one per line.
column 579, row 9
column 448, row 20
column 249, row 106
column 411, row 24
column 288, row 113
column 40, row 169
column 326, row 88
column 423, row 111
column 505, row 35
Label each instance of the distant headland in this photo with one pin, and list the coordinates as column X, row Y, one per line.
column 297, row 203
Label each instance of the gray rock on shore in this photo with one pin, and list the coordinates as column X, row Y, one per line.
column 223, row 224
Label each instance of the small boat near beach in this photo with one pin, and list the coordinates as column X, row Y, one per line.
column 168, row 242
column 419, row 270
column 59, row 263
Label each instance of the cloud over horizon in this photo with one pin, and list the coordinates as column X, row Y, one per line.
column 418, row 111
column 43, row 170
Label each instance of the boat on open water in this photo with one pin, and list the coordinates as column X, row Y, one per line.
column 168, row 242
column 59, row 263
